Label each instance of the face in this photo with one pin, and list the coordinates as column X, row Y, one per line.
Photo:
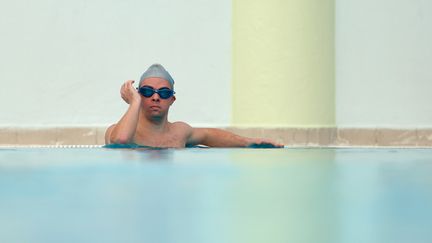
column 155, row 106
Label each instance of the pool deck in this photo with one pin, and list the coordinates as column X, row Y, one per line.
column 292, row 136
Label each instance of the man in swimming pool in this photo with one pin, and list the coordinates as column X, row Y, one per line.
column 145, row 121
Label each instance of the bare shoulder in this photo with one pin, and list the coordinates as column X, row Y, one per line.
column 181, row 125
column 182, row 128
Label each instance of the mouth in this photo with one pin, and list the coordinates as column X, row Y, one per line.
column 155, row 107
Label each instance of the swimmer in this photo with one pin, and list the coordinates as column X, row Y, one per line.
column 146, row 120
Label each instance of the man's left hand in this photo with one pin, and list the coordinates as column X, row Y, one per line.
column 264, row 143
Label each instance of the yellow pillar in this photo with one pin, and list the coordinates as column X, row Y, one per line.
column 283, row 63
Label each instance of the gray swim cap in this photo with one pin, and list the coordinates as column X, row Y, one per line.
column 157, row 71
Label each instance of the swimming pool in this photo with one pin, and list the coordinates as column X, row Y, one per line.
column 215, row 195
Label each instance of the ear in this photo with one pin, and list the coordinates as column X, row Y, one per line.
column 172, row 100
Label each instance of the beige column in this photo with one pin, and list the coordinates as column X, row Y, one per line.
column 283, row 63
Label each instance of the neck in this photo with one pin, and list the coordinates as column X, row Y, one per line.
column 156, row 124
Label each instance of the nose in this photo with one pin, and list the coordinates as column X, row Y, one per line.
column 155, row 97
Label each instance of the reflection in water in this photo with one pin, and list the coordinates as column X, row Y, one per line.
column 148, row 155
column 215, row 195
column 385, row 196
column 285, row 196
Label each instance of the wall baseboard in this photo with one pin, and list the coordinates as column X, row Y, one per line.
column 313, row 137
column 52, row 135
column 341, row 137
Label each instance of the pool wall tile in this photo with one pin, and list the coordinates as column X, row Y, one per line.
column 282, row 135
column 300, row 136
column 276, row 134
column 290, row 136
column 424, row 137
column 8, row 135
column 100, row 135
column 37, row 136
column 313, row 136
column 356, row 137
column 76, row 136
column 396, row 137
column 286, row 135
column 321, row 136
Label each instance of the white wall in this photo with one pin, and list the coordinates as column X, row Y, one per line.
column 384, row 63
column 62, row 62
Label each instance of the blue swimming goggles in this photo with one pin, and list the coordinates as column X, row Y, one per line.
column 148, row 91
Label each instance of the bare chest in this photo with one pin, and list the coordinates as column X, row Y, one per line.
column 168, row 140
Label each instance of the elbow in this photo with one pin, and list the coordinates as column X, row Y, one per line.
column 119, row 140
column 115, row 136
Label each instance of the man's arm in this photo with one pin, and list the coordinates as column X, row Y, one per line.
column 214, row 137
column 124, row 131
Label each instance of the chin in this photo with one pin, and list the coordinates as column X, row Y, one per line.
column 155, row 115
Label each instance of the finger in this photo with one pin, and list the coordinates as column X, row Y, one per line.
column 269, row 142
column 129, row 83
column 123, row 86
column 123, row 89
column 132, row 86
column 276, row 144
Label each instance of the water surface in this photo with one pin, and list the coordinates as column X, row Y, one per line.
column 215, row 195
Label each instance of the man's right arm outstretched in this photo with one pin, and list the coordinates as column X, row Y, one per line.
column 123, row 132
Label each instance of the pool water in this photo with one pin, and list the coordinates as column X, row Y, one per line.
column 215, row 195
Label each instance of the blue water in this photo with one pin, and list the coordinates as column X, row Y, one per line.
column 215, row 195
